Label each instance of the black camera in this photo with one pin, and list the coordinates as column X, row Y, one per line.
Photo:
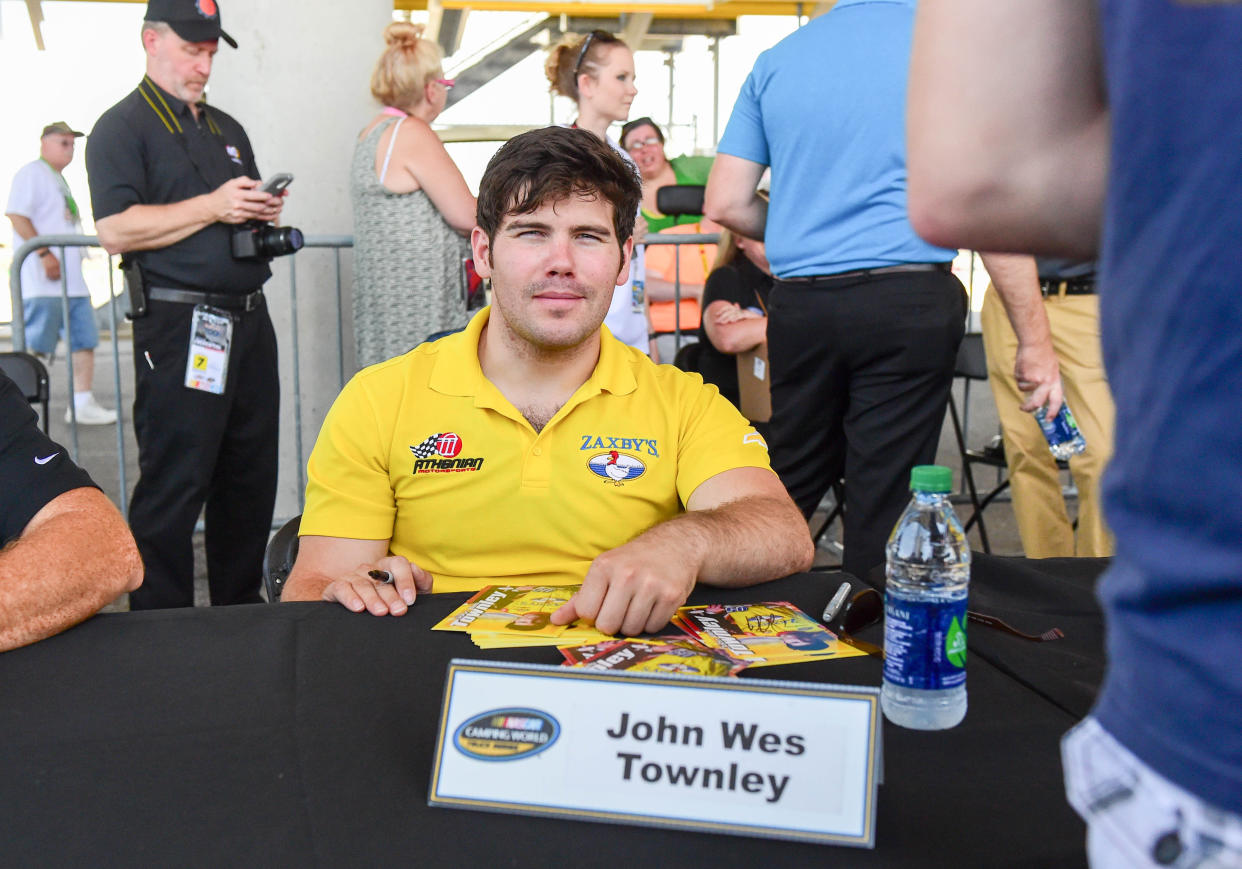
column 255, row 239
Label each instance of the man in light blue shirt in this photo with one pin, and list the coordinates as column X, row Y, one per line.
column 865, row 317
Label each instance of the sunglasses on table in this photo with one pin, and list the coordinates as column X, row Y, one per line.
column 853, row 608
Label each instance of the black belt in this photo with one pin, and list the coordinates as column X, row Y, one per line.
column 866, row 273
column 247, row 302
column 1072, row 287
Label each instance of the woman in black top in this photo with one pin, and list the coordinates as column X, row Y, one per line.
column 735, row 303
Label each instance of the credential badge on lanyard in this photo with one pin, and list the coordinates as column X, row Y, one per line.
column 207, row 363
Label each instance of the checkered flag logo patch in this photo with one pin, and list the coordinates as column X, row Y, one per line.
column 427, row 448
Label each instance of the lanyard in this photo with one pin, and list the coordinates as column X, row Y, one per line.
column 71, row 204
column 150, row 92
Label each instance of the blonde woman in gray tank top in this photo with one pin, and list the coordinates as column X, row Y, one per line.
column 412, row 208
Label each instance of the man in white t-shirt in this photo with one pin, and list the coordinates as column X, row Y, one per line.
column 40, row 203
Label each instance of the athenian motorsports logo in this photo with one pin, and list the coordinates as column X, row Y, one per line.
column 441, row 454
column 616, row 466
column 507, row 734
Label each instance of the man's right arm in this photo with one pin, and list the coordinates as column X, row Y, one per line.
column 149, row 227
column 26, row 229
column 732, row 199
column 1016, row 280
column 337, row 569
column 75, row 556
column 1023, row 164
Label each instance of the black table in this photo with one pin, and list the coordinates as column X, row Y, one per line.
column 302, row 735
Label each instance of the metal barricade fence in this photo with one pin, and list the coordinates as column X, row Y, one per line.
column 658, row 239
column 58, row 243
column 335, row 243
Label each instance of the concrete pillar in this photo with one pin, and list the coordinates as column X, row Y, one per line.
column 299, row 84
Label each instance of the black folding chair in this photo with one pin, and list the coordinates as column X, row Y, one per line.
column 278, row 558
column 31, row 378
column 687, row 358
column 674, row 200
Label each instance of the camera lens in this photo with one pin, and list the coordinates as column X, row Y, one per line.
column 278, row 241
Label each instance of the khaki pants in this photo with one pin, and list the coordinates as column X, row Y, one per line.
column 1043, row 523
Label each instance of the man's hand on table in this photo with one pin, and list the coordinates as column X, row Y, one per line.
column 632, row 589
column 358, row 591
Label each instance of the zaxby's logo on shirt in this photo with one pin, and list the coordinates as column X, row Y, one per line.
column 616, row 466
column 441, row 454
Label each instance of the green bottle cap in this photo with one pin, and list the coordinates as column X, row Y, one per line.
column 931, row 478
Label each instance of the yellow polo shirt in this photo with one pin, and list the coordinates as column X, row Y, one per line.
column 424, row 451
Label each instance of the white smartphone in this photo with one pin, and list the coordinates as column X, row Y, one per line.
column 276, row 183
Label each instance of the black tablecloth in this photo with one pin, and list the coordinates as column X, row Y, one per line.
column 302, row 735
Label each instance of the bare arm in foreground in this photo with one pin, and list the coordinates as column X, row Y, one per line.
column 1023, row 164
column 74, row 557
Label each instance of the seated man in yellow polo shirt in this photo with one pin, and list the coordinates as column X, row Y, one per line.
column 534, row 448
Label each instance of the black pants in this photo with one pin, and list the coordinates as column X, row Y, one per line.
column 196, row 448
column 861, row 371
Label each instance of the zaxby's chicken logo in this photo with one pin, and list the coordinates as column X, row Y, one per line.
column 507, row 734
column 616, row 466
column 441, row 454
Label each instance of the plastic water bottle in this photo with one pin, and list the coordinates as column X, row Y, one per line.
column 1064, row 438
column 925, row 609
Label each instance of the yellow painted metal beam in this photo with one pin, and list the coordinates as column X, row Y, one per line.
column 608, row 9
column 612, row 8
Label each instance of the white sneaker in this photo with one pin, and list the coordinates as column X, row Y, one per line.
column 91, row 413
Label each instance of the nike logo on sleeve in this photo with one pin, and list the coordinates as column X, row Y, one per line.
column 45, row 459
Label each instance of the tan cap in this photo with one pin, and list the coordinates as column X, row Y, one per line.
column 60, row 128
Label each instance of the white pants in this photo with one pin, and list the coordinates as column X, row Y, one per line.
column 1135, row 817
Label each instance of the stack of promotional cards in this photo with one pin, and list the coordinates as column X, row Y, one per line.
column 762, row 634
column 508, row 616
column 669, row 654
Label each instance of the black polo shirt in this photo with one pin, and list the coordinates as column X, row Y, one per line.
column 148, row 149
column 34, row 469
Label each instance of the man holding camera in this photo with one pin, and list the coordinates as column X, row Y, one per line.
column 174, row 189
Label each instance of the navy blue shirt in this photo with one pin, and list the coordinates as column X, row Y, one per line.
column 1171, row 315
column 149, row 149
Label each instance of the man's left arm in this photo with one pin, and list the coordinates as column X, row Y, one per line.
column 741, row 528
column 75, row 556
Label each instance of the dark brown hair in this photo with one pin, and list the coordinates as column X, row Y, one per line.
column 574, row 55
column 633, row 125
column 555, row 163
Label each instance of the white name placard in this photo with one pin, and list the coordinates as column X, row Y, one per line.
column 788, row 760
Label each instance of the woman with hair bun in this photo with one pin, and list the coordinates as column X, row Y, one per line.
column 412, row 208
column 596, row 71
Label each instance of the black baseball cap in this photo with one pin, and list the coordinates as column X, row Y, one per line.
column 192, row 20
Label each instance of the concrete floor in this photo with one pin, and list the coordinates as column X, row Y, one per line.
column 97, row 449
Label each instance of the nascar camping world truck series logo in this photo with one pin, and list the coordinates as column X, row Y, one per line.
column 507, row 734
column 441, row 454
